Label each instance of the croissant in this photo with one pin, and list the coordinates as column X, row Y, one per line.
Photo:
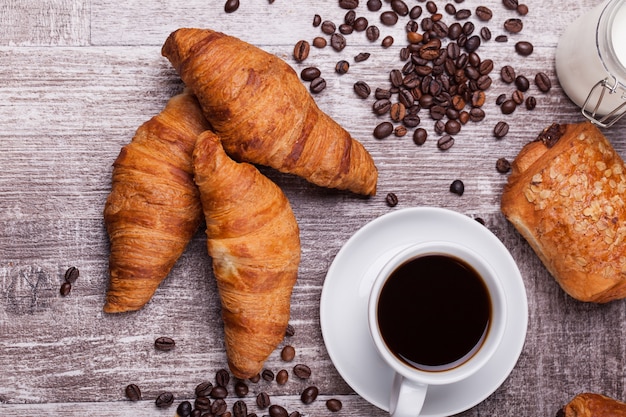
column 592, row 405
column 264, row 115
column 154, row 208
column 254, row 242
column 565, row 197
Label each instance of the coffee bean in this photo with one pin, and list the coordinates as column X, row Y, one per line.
column 457, row 187
column 400, row 7
column 290, row 330
column 303, row 371
column 222, row 378
column 346, row 29
column 485, row 33
column 391, row 199
column 502, row 38
column 218, row 407
column 337, row 42
column 531, row 103
column 231, row 6
column 453, row 127
column 485, row 67
column 517, row 97
column 510, row 4
column 333, row 405
column 328, row 27
column 508, row 106
column 483, row 82
column 381, row 106
column 463, row 14
column 317, row 20
column 437, row 112
column 240, row 409
column 400, row 131
column 503, row 165
column 278, row 411
column 542, row 81
column 164, row 344
column 267, row 375
column 256, row 378
column 348, row 4
column 372, row 33
column 263, row 400
column 522, row 9
column 501, row 129
column 282, row 376
column 411, row 120
column 522, row 83
column 389, row 18
column 202, row 403
column 71, row 275
column 203, row 389
column 374, row 5
column 65, row 289
column 164, row 400
column 184, row 409
column 362, row 89
column 342, row 67
column 387, row 41
column 309, row 394
column 133, row 392
column 288, row 353
column 464, row 117
column 219, row 392
column 241, row 389
column 360, row 24
column 419, row 136
column 445, row 142
column 310, row 73
column 484, row 13
column 363, row 56
column 319, row 42
column 507, row 74
column 524, row 48
column 513, row 25
column 317, row 85
column 440, row 127
column 301, row 51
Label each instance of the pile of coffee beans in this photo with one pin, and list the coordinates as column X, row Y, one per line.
column 70, row 276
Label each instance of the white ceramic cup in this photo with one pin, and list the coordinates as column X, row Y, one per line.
column 410, row 384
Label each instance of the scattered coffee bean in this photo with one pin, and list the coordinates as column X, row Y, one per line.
column 256, row 378
column 278, row 411
column 202, row 403
column 362, row 89
column 348, row 4
column 457, row 187
column 164, row 344
column 241, row 389
column 419, row 136
column 383, row 130
column 381, row 106
column 302, row 371
column 543, row 83
column 503, row 165
column 164, row 400
column 65, row 289
column 71, row 275
column 219, row 392
column 524, row 48
column 485, row 33
column 342, row 67
column 222, row 378
column 184, row 409
column 282, row 377
column 133, row 392
column 484, row 13
column 301, row 51
column 363, row 56
column 531, row 103
column 374, row 5
column 500, row 99
column 317, row 85
column 290, row 331
column 400, row 131
column 219, row 407
column 288, row 353
column 328, row 27
column 513, row 25
column 231, row 6
column 310, row 73
column 317, row 20
column 391, row 199
column 507, row 74
column 295, row 414
column 389, row 18
column 337, row 42
column 203, row 389
column 508, row 107
column 309, row 394
column 445, row 142
column 372, row 33
column 267, row 375
column 522, row 9
column 333, row 405
column 462, row 14
column 360, row 24
column 319, row 42
column 502, row 38
column 517, row 97
column 501, row 129
column 240, row 409
column 522, row 83
column 387, row 41
column 263, row 400
column 510, row 4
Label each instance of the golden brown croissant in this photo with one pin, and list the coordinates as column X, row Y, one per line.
column 565, row 196
column 263, row 113
column 593, row 405
column 254, row 242
column 154, row 208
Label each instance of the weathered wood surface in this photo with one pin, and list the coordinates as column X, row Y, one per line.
column 77, row 79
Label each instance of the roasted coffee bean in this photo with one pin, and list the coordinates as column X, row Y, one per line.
column 350, row 17
column 484, row 13
column 508, row 106
column 502, row 38
column 333, row 405
column 337, row 42
column 219, row 407
column 531, row 103
column 501, row 129
column 485, row 33
column 437, row 112
column 476, row 114
column 65, row 289
column 278, row 411
column 290, row 330
column 203, row 389
column 485, row 67
column 303, row 371
column 473, row 43
column 301, row 51
column 263, row 400
column 164, row 344
column 464, row 117
column 483, row 82
column 133, row 392
column 419, row 136
column 397, row 112
column 348, row 4
column 328, row 27
column 542, row 81
column 457, row 187
column 319, row 42
column 241, row 389
column 164, row 400
column 256, row 378
column 362, row 89
column 503, row 165
column 240, row 409
column 522, row 83
column 184, row 409
column 202, row 403
column 372, row 33
column 282, row 377
column 317, row 85
column 500, row 99
column 454, row 31
column 453, row 127
column 440, row 127
column 445, row 142
column 309, row 394
column 231, row 6
column 310, row 73
column 400, row 131
column 317, row 20
column 507, row 74
column 411, row 120
column 450, row 8
column 524, row 48
column 522, row 9
column 396, row 77
column 71, row 275
column 267, row 375
column 381, row 106
column 389, row 18
column 387, row 41
column 415, row 12
column 295, row 414
column 342, row 67
column 391, row 199
column 400, row 7
column 288, row 353
column 374, row 5
column 510, row 4
column 360, row 24
column 517, row 97
column 346, row 29
column 431, row 6
column 513, row 25
column 462, row 14
column 219, row 392
column 363, row 56
column 222, row 377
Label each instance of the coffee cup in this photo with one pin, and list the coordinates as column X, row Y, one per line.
column 437, row 313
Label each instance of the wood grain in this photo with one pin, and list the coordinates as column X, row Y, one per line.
column 79, row 77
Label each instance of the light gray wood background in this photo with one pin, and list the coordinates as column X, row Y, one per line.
column 78, row 77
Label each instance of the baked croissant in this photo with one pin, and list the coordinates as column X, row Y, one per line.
column 263, row 113
column 154, row 208
column 253, row 239
column 565, row 196
column 592, row 405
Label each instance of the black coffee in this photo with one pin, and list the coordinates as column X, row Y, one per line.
column 434, row 312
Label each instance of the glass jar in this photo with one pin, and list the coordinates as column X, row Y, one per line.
column 591, row 62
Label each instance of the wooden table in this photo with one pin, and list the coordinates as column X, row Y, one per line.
column 77, row 77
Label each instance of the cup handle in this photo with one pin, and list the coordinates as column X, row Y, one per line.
column 407, row 397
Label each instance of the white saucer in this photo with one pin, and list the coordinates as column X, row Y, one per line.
column 343, row 306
